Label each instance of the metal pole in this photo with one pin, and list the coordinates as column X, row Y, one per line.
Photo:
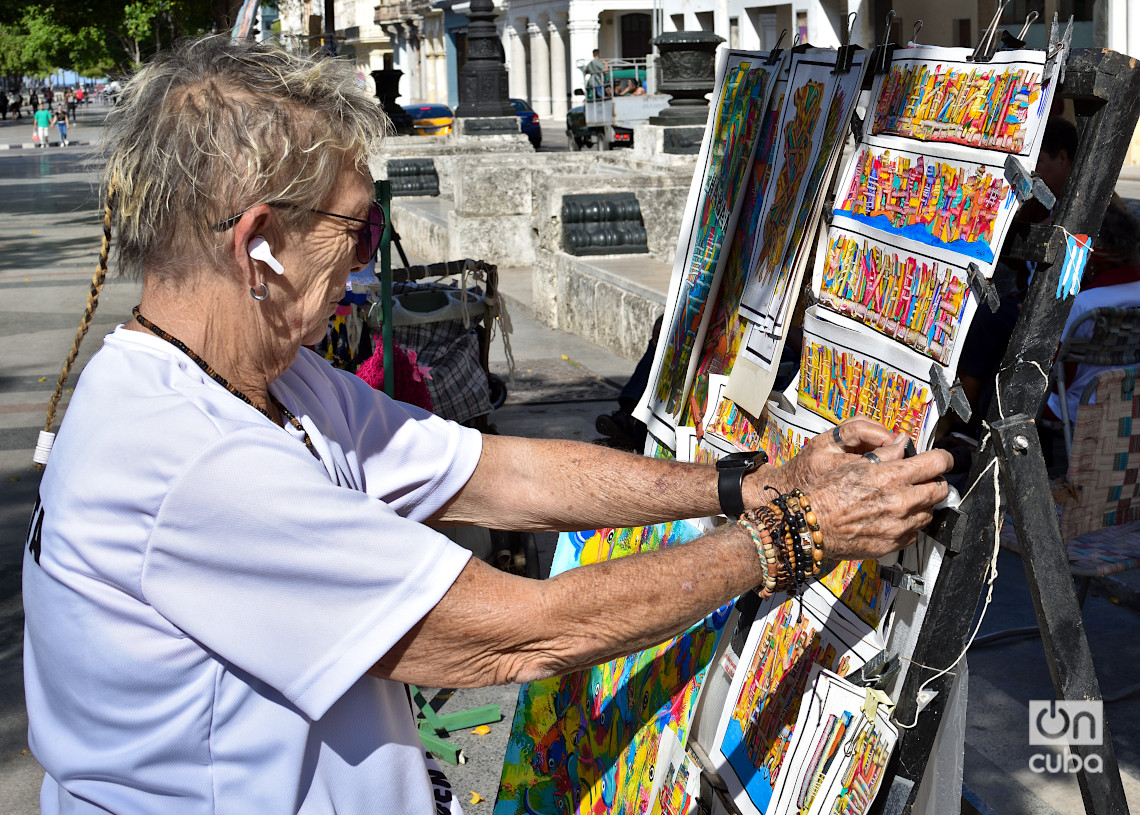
column 330, row 28
column 384, row 190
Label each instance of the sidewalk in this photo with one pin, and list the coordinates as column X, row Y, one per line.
column 84, row 131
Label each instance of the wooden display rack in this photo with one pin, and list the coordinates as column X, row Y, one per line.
column 1104, row 87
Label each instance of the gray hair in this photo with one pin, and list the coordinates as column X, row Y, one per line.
column 213, row 127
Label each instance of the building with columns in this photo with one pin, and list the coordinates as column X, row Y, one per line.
column 357, row 34
column 548, row 41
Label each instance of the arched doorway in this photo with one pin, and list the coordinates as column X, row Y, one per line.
column 636, row 30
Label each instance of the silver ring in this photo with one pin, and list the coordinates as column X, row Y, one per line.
column 871, row 457
column 259, row 296
column 835, row 434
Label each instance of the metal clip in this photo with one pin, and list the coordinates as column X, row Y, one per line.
column 774, row 54
column 900, row 578
column 878, row 672
column 846, row 53
column 884, row 51
column 983, row 288
column 1030, row 20
column 914, row 34
column 985, row 50
column 1059, row 47
column 1027, row 185
column 947, row 397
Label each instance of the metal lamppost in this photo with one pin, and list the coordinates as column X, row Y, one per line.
column 483, row 87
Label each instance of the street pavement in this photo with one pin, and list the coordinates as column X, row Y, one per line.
column 49, row 238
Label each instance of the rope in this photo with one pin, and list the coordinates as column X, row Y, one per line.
column 992, row 569
column 47, row 436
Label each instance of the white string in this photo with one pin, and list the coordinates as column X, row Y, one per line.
column 992, row 569
column 991, row 577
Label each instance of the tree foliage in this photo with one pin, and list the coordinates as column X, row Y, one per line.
column 99, row 37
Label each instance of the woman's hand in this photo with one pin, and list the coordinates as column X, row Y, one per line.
column 823, row 453
column 868, row 509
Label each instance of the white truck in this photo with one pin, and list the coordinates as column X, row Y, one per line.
column 610, row 111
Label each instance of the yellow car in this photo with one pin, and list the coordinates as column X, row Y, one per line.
column 430, row 119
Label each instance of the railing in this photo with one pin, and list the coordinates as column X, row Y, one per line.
column 391, row 12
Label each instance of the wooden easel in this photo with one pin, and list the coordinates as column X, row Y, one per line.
column 1105, row 89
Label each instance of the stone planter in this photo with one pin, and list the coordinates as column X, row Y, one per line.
column 688, row 72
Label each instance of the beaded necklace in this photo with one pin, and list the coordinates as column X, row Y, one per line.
column 214, row 375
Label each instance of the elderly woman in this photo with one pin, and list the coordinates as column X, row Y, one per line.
column 231, row 568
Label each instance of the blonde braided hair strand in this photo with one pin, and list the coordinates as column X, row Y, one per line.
column 97, row 281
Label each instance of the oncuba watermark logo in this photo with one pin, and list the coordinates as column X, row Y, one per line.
column 1065, row 724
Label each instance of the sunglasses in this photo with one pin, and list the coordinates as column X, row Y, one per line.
column 367, row 237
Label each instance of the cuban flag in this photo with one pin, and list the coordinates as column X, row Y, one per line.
column 1076, row 255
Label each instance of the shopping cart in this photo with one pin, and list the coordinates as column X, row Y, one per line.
column 448, row 314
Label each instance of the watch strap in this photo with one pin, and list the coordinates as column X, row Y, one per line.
column 730, row 491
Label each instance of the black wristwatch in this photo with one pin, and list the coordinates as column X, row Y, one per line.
column 730, row 479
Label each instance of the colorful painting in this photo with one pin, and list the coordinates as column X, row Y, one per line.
column 676, row 779
column 737, row 122
column 798, row 142
column 951, row 205
column 977, row 105
column 770, row 299
column 787, row 645
column 743, row 87
column 787, row 431
column 587, row 742
column 860, row 587
column 726, row 329
column 881, row 380
column 840, row 750
column 837, row 384
column 909, row 297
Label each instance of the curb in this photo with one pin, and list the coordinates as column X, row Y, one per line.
column 32, row 145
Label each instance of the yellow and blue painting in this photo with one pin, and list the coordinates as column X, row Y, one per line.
column 586, row 743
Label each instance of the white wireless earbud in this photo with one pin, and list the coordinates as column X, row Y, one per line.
column 258, row 249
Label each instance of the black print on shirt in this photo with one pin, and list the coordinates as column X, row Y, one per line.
column 35, row 530
column 442, row 789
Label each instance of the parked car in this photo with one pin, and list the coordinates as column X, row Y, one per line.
column 528, row 121
column 430, row 119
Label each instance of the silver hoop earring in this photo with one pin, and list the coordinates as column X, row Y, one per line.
column 264, row 295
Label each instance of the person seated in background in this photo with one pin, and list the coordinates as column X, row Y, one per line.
column 630, row 87
column 1111, row 280
column 1112, row 264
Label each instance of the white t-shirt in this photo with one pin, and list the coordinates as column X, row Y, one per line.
column 208, row 594
column 1123, row 295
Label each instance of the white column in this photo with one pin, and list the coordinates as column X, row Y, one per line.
column 539, row 71
column 516, row 71
column 583, row 41
column 559, row 87
column 441, row 65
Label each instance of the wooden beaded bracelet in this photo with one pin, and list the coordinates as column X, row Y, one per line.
column 813, row 531
column 762, row 540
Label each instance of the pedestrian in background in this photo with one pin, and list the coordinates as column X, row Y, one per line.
column 70, row 98
column 15, row 102
column 3, row 105
column 80, row 95
column 595, row 71
column 62, row 120
column 42, row 119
